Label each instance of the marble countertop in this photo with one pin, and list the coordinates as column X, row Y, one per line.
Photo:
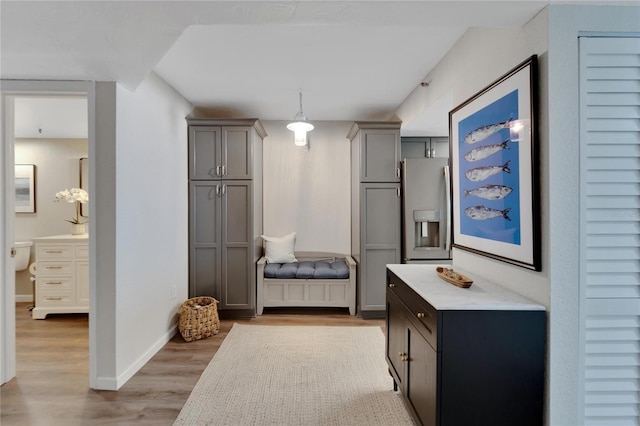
column 482, row 295
column 62, row 237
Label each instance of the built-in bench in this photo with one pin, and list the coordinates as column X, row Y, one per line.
column 316, row 280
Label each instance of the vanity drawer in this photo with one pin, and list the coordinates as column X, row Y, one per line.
column 62, row 298
column 54, row 268
column 427, row 316
column 54, row 251
column 420, row 310
column 53, row 283
column 82, row 251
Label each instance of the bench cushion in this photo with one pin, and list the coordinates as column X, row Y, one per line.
column 307, row 270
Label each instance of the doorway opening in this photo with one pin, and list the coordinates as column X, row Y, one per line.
column 51, row 145
column 52, row 152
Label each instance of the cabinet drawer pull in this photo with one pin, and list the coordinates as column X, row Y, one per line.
column 420, row 315
column 54, row 298
column 392, row 285
column 53, row 282
column 53, row 251
column 53, row 267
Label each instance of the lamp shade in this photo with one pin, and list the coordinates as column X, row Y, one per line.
column 300, row 126
column 300, row 129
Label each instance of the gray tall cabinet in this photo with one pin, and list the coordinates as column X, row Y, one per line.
column 225, row 211
column 375, row 209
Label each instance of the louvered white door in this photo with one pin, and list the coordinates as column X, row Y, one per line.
column 610, row 229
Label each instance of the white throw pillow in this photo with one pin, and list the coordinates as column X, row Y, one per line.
column 280, row 249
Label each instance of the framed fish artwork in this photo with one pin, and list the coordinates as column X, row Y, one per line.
column 494, row 170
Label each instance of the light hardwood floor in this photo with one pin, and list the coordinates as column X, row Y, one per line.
column 52, row 388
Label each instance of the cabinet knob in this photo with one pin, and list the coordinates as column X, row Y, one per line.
column 392, row 285
column 401, row 354
column 404, row 359
column 420, row 315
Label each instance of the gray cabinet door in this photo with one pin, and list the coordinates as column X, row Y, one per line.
column 204, row 152
column 380, row 155
column 220, row 152
column 238, row 270
column 380, row 241
column 205, row 237
column 237, row 152
column 440, row 147
column 424, row 147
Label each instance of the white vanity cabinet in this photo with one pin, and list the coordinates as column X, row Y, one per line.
column 62, row 275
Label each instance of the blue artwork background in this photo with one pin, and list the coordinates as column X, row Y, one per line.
column 498, row 228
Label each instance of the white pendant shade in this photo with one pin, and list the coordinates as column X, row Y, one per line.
column 300, row 126
column 300, row 129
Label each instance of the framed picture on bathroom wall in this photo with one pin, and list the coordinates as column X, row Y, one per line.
column 494, row 164
column 25, row 183
column 84, row 184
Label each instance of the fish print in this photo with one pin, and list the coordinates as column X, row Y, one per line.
column 481, row 173
column 481, row 133
column 483, row 152
column 484, row 213
column 490, row 192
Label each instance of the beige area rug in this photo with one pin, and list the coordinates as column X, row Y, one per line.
column 297, row 375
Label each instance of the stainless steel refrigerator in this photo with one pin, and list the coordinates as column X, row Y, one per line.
column 426, row 211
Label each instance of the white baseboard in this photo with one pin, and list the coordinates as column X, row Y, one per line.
column 24, row 298
column 114, row 383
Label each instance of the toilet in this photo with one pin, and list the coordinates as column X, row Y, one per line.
column 23, row 252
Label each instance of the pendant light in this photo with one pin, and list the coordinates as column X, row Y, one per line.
column 300, row 126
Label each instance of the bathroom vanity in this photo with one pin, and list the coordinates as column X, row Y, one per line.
column 62, row 275
column 463, row 356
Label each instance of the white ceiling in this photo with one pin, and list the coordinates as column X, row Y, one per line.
column 51, row 118
column 353, row 60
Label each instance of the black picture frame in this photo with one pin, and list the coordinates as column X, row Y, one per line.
column 495, row 189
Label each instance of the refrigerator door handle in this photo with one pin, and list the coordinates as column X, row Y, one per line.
column 447, row 190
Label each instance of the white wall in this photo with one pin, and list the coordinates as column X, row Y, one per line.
column 468, row 67
column 308, row 191
column 151, row 217
column 102, row 249
column 57, row 168
column 140, row 227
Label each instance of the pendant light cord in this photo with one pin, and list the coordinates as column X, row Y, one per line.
column 300, row 113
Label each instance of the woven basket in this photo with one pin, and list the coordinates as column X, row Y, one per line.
column 199, row 318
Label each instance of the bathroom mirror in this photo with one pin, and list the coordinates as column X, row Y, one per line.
column 84, row 184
